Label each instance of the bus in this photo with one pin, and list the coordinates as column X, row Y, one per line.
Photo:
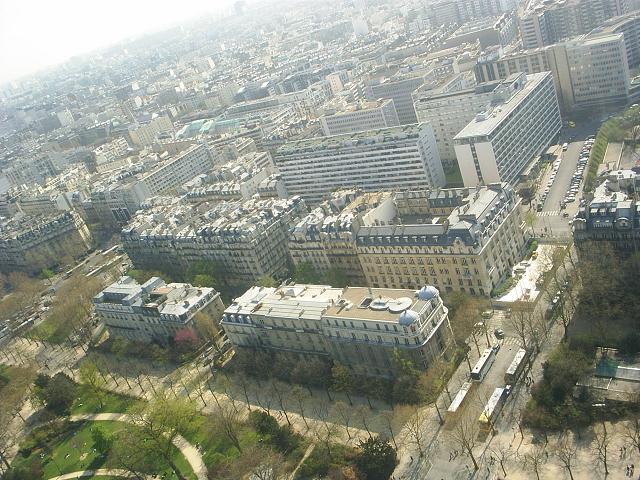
column 483, row 365
column 458, row 400
column 517, row 366
column 493, row 408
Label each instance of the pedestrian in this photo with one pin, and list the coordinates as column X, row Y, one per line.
column 411, row 457
column 627, row 471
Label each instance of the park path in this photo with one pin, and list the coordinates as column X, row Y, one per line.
column 104, row 472
column 190, row 452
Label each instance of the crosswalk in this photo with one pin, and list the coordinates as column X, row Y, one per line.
column 550, row 213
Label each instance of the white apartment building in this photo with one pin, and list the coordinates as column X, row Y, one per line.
column 154, row 311
column 145, row 135
column 358, row 327
column 175, row 171
column 358, row 117
column 395, row 158
column 449, row 112
column 500, row 142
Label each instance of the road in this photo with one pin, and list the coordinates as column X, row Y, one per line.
column 550, row 221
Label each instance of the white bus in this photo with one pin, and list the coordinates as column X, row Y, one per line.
column 517, row 366
column 458, row 400
column 493, row 408
column 483, row 365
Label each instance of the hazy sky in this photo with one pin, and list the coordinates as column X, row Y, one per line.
column 38, row 33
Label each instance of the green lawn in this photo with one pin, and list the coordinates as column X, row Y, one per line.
column 113, row 402
column 73, row 450
column 453, row 176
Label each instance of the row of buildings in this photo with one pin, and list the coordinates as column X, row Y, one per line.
column 361, row 328
column 465, row 239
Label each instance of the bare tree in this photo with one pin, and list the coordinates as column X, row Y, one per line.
column 600, row 445
column 534, row 460
column 324, row 430
column 363, row 415
column 227, row 421
column 415, row 429
column 566, row 452
column 502, row 455
column 632, row 432
column 300, row 395
column 344, row 414
column 278, row 391
column 465, row 435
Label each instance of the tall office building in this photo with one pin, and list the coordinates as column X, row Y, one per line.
column 396, row 158
column 399, row 90
column 588, row 70
column 547, row 22
column 500, row 142
column 450, row 111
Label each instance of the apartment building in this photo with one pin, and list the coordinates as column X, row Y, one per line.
column 340, row 119
column 30, row 244
column 325, row 238
column 499, row 143
column 397, row 158
column 244, row 239
column 463, row 240
column 548, row 22
column 110, row 151
column 448, row 112
column 173, row 172
column 589, row 70
column 612, row 217
column 358, row 327
column 145, row 135
column 629, row 26
column 399, row 90
column 155, row 311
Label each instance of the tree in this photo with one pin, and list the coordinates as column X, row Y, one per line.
column 226, row 420
column 632, row 432
column 207, row 329
column 415, row 429
column 566, row 452
column 342, row 380
column 600, row 445
column 204, row 280
column 344, row 414
column 90, row 376
column 156, row 425
column 464, row 434
column 185, row 340
column 376, row 459
column 503, row 455
column 56, row 393
column 335, row 277
column 267, row 281
column 535, row 460
column 305, row 272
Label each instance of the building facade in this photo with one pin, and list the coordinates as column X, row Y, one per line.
column 358, row 327
column 397, row 158
column 30, row 244
column 359, row 118
column 155, row 311
column 501, row 142
column 464, row 240
column 243, row 239
column 588, row 71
